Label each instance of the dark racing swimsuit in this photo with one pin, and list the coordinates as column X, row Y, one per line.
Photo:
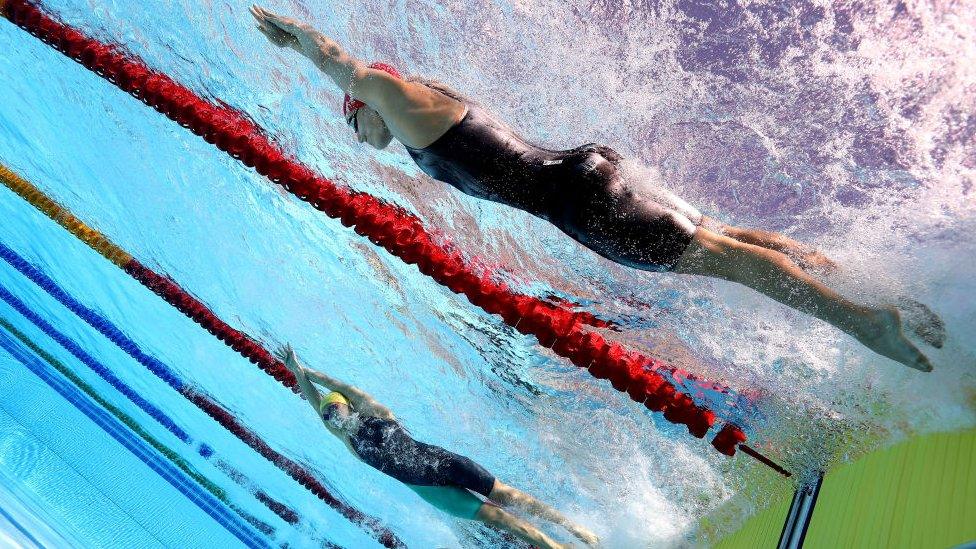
column 580, row 190
column 387, row 446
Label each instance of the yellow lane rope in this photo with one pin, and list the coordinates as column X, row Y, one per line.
column 96, row 240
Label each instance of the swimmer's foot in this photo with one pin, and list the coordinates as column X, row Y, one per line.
column 923, row 321
column 885, row 337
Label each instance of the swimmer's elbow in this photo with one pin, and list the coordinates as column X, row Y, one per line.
column 329, row 53
column 374, row 408
column 332, row 59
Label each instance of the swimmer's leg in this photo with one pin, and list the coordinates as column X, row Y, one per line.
column 775, row 275
column 494, row 516
column 920, row 318
column 463, row 504
column 808, row 258
column 506, row 495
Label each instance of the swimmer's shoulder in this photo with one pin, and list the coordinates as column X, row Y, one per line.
column 416, row 113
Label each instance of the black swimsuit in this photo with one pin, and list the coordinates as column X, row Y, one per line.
column 387, row 446
column 580, row 190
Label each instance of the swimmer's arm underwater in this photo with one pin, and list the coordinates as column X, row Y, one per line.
column 312, row 395
column 360, row 400
column 413, row 113
column 372, row 86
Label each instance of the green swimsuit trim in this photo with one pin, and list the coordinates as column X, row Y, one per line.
column 451, row 499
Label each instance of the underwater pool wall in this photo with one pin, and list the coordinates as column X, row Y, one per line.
column 918, row 494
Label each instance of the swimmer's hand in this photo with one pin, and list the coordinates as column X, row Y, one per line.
column 287, row 355
column 282, row 31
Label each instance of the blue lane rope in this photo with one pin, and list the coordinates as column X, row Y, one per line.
column 95, row 320
column 95, row 365
column 194, row 492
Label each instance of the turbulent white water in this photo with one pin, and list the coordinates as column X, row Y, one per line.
column 849, row 126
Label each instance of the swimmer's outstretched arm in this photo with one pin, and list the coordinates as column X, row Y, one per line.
column 361, row 400
column 312, row 395
column 375, row 88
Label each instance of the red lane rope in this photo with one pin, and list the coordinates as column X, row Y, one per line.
column 764, row 460
column 386, row 225
column 179, row 298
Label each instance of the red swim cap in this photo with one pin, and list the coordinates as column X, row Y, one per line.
column 350, row 105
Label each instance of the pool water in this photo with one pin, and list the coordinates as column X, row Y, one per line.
column 851, row 128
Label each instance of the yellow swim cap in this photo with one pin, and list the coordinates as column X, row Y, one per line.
column 335, row 397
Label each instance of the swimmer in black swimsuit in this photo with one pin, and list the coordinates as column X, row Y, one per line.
column 446, row 480
column 590, row 194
